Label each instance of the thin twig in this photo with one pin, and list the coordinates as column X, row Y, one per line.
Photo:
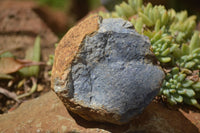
column 9, row 94
column 33, row 89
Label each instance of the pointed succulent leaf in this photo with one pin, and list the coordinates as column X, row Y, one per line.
column 190, row 64
column 177, row 97
column 187, row 83
column 185, row 49
column 196, row 86
column 171, row 100
column 175, row 70
column 165, row 59
column 145, row 19
column 189, row 92
column 195, row 42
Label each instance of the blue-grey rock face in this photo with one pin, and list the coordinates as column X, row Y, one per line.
column 114, row 72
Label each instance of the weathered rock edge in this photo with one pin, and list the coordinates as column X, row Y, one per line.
column 69, row 51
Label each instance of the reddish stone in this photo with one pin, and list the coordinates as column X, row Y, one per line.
column 47, row 113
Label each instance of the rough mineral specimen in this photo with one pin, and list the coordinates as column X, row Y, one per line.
column 105, row 71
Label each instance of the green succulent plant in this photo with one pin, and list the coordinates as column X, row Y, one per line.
column 175, row 43
column 178, row 88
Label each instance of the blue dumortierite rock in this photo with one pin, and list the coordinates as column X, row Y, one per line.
column 115, row 72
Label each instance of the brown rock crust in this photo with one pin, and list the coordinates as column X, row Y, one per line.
column 69, row 46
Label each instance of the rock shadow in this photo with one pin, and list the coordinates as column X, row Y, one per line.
column 156, row 118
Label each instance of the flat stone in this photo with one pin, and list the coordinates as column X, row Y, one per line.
column 112, row 75
column 48, row 114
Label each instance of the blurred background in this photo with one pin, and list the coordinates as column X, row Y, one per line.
column 60, row 15
column 77, row 9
